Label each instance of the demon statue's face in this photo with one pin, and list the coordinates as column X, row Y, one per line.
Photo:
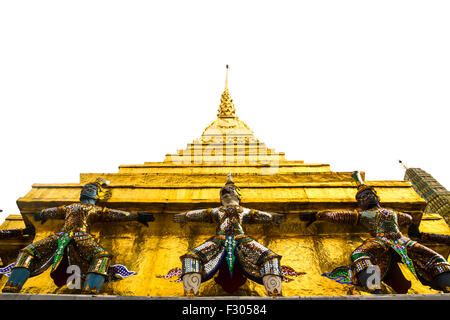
column 94, row 191
column 367, row 199
column 229, row 195
column 89, row 192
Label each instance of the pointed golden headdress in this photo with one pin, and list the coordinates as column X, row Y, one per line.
column 102, row 193
column 361, row 185
column 231, row 183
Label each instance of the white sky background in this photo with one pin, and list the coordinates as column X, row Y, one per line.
column 86, row 86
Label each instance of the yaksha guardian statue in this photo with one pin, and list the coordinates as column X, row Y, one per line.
column 377, row 257
column 74, row 245
column 231, row 252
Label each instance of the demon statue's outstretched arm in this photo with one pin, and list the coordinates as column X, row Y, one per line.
column 257, row 216
column 202, row 215
column 111, row 215
column 50, row 213
column 404, row 219
column 345, row 217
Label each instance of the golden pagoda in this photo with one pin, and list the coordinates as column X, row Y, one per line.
column 191, row 179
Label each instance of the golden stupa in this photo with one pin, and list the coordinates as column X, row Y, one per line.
column 191, row 179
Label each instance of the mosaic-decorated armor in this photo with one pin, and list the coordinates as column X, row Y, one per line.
column 236, row 255
column 386, row 246
column 73, row 244
column 231, row 244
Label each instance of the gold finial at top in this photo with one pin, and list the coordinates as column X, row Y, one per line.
column 226, row 108
column 226, row 79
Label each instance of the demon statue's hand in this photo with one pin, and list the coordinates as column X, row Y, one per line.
column 413, row 231
column 278, row 218
column 309, row 217
column 39, row 217
column 29, row 230
column 180, row 218
column 144, row 217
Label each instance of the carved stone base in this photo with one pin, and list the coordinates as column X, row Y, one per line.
column 191, row 283
column 272, row 284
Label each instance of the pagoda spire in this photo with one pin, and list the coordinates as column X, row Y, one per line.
column 226, row 108
column 403, row 165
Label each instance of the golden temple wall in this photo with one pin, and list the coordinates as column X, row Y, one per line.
column 155, row 250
